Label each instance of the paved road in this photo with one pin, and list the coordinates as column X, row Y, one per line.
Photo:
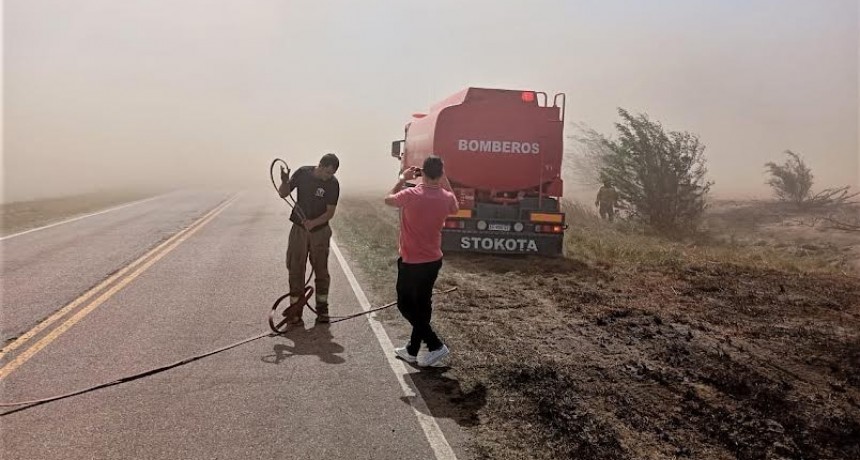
column 212, row 265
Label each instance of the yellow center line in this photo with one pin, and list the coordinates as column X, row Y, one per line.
column 171, row 245
column 85, row 296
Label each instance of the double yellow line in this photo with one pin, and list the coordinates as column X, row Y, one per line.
column 117, row 281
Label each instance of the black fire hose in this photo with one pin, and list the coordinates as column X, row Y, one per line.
column 278, row 319
column 304, row 300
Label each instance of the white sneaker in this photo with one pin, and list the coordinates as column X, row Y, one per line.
column 404, row 355
column 434, row 356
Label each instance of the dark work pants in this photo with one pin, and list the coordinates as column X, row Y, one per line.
column 607, row 211
column 301, row 246
column 415, row 301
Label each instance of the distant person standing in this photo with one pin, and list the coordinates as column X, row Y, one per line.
column 607, row 198
column 423, row 210
column 310, row 235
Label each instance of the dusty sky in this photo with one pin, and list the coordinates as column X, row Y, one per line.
column 100, row 93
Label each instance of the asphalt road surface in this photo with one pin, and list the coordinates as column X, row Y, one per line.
column 149, row 284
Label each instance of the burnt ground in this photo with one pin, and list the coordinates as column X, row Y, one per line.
column 568, row 358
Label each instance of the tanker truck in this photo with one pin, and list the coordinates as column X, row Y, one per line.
column 502, row 151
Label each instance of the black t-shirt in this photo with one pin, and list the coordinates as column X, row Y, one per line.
column 314, row 194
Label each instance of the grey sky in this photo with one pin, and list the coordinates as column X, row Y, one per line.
column 103, row 92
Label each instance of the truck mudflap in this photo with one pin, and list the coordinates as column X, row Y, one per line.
column 493, row 242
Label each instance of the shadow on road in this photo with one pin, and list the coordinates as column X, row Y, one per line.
column 317, row 341
column 445, row 397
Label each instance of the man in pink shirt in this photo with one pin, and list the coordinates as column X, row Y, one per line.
column 423, row 210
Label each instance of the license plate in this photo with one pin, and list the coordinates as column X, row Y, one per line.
column 500, row 227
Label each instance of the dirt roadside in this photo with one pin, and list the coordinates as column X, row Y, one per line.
column 568, row 358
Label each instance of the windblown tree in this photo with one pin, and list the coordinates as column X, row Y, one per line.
column 659, row 175
column 792, row 182
column 587, row 156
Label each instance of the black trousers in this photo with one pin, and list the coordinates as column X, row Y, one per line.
column 415, row 301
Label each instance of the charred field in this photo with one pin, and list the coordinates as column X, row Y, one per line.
column 633, row 347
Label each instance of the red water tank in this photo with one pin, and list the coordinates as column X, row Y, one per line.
column 491, row 139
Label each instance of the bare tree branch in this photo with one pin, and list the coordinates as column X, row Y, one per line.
column 832, row 197
column 843, row 225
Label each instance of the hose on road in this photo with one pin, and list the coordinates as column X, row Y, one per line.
column 303, row 300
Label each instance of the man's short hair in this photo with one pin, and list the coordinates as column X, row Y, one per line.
column 330, row 159
column 432, row 167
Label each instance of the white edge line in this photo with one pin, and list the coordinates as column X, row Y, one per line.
column 434, row 434
column 81, row 217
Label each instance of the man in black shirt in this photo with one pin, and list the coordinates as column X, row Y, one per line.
column 318, row 192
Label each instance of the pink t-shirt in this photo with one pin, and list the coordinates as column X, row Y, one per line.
column 422, row 216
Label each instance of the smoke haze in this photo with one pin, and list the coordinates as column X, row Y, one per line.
column 103, row 93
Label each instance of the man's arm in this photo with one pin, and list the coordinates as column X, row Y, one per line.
column 288, row 183
column 310, row 224
column 391, row 199
column 284, row 189
column 455, row 205
column 332, row 195
column 407, row 175
column 446, row 184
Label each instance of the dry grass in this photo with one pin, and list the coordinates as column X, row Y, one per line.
column 22, row 215
column 369, row 230
column 628, row 245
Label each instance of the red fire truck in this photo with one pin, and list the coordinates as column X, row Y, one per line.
column 502, row 151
